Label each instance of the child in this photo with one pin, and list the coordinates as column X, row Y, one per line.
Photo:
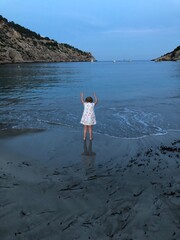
column 88, row 118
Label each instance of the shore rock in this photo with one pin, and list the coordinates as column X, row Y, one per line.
column 172, row 56
column 19, row 44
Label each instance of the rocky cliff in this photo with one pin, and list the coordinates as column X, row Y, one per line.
column 172, row 56
column 19, row 44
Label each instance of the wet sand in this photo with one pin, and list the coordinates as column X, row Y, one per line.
column 53, row 185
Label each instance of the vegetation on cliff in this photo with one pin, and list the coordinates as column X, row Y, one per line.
column 19, row 44
column 171, row 56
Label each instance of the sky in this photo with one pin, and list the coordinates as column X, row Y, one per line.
column 110, row 30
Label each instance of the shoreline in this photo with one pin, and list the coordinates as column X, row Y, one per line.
column 55, row 186
column 4, row 132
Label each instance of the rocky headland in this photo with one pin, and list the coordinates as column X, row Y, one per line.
column 171, row 56
column 19, row 45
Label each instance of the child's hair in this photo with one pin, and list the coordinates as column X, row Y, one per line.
column 89, row 99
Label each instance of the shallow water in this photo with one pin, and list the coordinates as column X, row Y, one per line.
column 136, row 98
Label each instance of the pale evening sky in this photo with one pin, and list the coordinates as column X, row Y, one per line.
column 116, row 29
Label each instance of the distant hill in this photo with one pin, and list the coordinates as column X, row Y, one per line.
column 172, row 56
column 19, row 44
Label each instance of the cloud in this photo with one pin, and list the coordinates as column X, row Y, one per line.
column 141, row 30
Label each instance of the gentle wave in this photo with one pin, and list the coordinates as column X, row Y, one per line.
column 125, row 122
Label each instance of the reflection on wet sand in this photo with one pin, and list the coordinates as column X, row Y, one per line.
column 88, row 149
column 88, row 156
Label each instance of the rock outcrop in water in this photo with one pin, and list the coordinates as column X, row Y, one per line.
column 19, row 44
column 172, row 56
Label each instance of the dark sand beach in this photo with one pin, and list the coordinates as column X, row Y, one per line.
column 55, row 186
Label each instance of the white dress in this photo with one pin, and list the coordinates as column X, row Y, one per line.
column 88, row 117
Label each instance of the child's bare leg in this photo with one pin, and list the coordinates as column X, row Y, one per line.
column 90, row 132
column 85, row 131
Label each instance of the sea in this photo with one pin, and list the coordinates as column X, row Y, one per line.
column 136, row 98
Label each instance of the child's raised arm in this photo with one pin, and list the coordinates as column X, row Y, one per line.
column 82, row 97
column 95, row 99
